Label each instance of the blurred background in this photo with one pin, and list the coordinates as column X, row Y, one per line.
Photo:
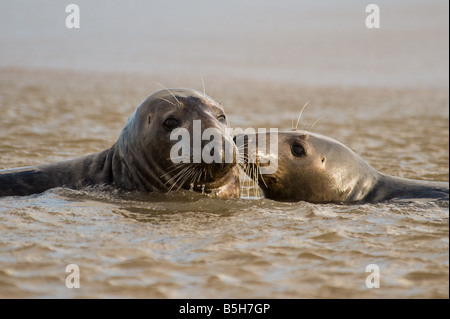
column 322, row 42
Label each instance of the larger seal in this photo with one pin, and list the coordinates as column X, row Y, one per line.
column 318, row 169
column 141, row 158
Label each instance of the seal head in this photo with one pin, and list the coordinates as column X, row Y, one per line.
column 141, row 159
column 318, row 169
column 143, row 150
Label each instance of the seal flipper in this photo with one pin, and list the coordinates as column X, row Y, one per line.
column 77, row 173
column 28, row 181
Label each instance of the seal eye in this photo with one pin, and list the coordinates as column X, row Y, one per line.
column 170, row 124
column 298, row 150
column 222, row 119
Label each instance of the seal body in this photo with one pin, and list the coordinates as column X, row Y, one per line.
column 318, row 169
column 141, row 158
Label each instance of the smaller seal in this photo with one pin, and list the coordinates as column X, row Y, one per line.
column 318, row 169
column 141, row 159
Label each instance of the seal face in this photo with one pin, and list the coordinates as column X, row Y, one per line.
column 318, row 169
column 141, row 158
column 145, row 143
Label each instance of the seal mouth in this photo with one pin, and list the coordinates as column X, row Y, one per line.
column 200, row 189
column 199, row 177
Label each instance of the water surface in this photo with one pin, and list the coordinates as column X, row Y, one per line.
column 68, row 93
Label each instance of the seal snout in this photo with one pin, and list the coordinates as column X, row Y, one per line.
column 219, row 159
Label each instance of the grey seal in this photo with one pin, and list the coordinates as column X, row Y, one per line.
column 140, row 160
column 318, row 169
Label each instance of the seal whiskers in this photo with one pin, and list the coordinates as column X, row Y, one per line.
column 314, row 124
column 252, row 170
column 173, row 181
column 168, row 90
column 300, row 115
column 166, row 100
column 203, row 84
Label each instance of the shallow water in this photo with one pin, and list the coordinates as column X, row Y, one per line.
column 68, row 93
column 180, row 247
column 188, row 245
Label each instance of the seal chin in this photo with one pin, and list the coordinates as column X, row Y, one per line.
column 207, row 175
column 221, row 184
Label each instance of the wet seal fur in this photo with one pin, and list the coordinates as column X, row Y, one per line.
column 140, row 159
column 318, row 169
